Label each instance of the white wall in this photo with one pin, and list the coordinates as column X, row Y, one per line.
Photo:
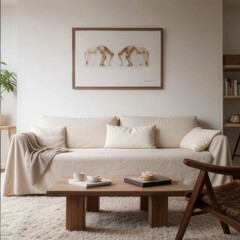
column 231, row 29
column 8, row 55
column 192, row 59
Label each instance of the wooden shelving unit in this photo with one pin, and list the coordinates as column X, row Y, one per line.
column 231, row 67
column 231, row 125
column 231, row 97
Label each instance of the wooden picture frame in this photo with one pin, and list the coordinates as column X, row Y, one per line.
column 109, row 58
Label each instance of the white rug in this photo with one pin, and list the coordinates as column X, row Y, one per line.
column 43, row 217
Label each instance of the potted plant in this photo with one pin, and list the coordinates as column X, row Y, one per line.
column 8, row 82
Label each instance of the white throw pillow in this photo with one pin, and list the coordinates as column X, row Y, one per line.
column 136, row 137
column 50, row 137
column 198, row 139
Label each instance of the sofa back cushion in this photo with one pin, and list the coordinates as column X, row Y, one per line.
column 81, row 132
column 169, row 130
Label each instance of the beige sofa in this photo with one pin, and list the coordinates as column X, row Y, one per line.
column 85, row 137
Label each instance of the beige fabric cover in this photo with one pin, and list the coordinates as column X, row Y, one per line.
column 169, row 130
column 220, row 150
column 102, row 161
column 81, row 132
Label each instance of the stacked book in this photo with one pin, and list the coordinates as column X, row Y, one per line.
column 87, row 184
column 231, row 87
column 156, row 181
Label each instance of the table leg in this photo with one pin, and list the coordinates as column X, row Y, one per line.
column 157, row 211
column 235, row 148
column 76, row 213
column 9, row 134
column 144, row 203
column 93, row 203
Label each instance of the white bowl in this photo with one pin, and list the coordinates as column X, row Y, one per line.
column 94, row 179
column 79, row 176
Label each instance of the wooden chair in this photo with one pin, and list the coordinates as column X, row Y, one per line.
column 222, row 202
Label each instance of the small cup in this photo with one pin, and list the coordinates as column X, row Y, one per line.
column 79, row 176
column 94, row 179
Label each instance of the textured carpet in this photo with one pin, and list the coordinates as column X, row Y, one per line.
column 44, row 218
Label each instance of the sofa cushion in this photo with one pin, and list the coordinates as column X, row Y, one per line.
column 109, row 161
column 81, row 132
column 198, row 139
column 169, row 130
column 50, row 137
column 136, row 137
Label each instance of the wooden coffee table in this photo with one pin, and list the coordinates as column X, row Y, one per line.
column 153, row 199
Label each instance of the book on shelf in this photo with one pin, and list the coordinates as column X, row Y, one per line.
column 88, row 184
column 231, row 87
column 156, row 181
column 235, row 89
column 228, row 86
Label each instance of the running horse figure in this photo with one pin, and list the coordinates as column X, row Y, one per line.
column 130, row 50
column 94, row 51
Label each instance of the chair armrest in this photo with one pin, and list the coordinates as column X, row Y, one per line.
column 234, row 171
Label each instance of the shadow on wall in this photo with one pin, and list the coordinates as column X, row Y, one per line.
column 204, row 124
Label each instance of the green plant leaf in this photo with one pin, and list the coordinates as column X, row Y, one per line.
column 8, row 80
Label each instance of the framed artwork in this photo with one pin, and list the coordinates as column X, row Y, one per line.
column 117, row 58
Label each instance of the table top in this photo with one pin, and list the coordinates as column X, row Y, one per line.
column 118, row 188
column 7, row 127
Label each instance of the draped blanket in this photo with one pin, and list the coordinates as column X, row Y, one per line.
column 38, row 157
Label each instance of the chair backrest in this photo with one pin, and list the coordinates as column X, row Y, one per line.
column 210, row 202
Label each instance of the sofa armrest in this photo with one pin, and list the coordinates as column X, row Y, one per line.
column 20, row 140
column 220, row 150
column 16, row 171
